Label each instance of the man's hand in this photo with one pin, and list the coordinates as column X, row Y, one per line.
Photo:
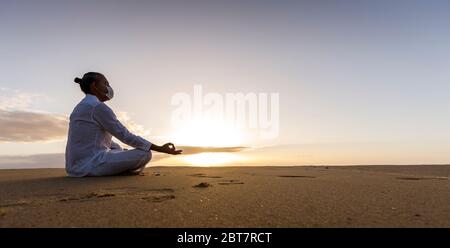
column 168, row 148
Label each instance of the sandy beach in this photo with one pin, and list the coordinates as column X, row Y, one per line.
column 352, row 196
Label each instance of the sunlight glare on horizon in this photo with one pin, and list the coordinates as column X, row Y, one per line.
column 211, row 158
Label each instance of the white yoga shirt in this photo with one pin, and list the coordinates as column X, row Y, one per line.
column 92, row 125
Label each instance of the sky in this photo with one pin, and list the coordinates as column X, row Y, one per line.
column 359, row 82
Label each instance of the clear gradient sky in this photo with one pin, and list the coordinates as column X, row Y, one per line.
column 360, row 82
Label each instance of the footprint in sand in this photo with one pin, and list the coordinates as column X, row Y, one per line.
column 229, row 182
column 422, row 178
column 157, row 195
column 158, row 174
column 8, row 206
column 203, row 175
column 202, row 185
column 2, row 212
column 12, row 204
column 162, row 190
column 89, row 196
column 296, row 176
column 161, row 194
column 158, row 198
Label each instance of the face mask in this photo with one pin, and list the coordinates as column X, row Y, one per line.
column 110, row 93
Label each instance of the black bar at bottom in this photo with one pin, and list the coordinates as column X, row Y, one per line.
column 226, row 237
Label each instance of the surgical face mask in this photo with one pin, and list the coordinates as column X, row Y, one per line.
column 110, row 93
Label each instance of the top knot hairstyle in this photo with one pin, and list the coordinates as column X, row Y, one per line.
column 87, row 80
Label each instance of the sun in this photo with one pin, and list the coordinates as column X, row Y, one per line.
column 207, row 133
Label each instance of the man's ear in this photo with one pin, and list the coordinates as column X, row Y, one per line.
column 93, row 87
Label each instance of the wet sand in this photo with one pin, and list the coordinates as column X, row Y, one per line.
column 353, row 196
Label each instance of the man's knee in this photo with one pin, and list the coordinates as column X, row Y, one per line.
column 146, row 156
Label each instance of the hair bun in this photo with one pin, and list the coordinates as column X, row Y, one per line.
column 77, row 80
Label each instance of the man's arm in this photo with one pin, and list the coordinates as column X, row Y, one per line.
column 108, row 120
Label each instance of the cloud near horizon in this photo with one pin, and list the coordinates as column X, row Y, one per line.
column 24, row 126
column 19, row 122
column 50, row 160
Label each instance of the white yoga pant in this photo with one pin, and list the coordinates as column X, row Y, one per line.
column 122, row 161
